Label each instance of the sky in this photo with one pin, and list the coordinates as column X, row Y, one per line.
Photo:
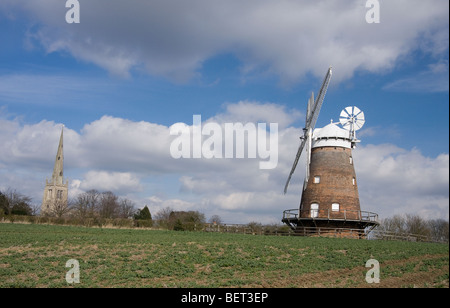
column 129, row 70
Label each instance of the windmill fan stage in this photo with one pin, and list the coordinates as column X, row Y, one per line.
column 330, row 201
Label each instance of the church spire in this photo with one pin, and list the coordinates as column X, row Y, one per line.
column 58, row 170
column 56, row 191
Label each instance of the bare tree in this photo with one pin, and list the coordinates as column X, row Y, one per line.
column 35, row 209
column 215, row 219
column 59, row 208
column 93, row 204
column 15, row 203
column 436, row 230
column 109, row 205
column 164, row 214
column 439, row 229
column 126, row 208
column 416, row 225
column 163, row 217
column 86, row 205
column 395, row 224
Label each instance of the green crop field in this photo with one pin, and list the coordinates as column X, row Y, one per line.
column 36, row 255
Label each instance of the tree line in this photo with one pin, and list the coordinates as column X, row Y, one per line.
column 14, row 203
column 99, row 208
column 434, row 229
column 95, row 208
column 90, row 204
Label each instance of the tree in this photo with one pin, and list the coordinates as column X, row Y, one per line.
column 86, row 205
column 164, row 214
column 395, row 224
column 143, row 214
column 435, row 230
column 215, row 219
column 439, row 229
column 416, row 225
column 255, row 226
column 126, row 208
column 14, row 203
column 59, row 208
column 163, row 217
column 143, row 218
column 178, row 226
column 3, row 203
column 189, row 220
column 109, row 205
column 35, row 209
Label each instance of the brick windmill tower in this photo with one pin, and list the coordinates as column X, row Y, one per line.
column 330, row 201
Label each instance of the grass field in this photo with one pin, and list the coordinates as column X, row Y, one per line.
column 36, row 255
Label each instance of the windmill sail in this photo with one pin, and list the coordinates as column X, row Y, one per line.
column 297, row 157
column 308, row 158
column 313, row 110
column 311, row 123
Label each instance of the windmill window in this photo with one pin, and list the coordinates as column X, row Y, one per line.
column 314, row 210
column 351, row 160
column 354, row 181
column 335, row 207
column 317, row 179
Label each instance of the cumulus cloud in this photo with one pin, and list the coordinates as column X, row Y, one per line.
column 290, row 39
column 393, row 180
column 255, row 112
column 157, row 204
column 22, row 144
column 133, row 159
column 118, row 182
column 126, row 145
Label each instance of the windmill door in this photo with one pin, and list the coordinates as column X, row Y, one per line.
column 314, row 210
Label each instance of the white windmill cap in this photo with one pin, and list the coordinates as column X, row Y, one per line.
column 331, row 136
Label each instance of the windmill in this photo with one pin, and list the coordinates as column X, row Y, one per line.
column 312, row 113
column 330, row 204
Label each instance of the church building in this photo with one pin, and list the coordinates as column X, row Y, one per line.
column 56, row 191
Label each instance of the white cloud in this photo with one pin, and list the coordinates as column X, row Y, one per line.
column 289, row 38
column 202, row 185
column 124, row 145
column 118, row 182
column 157, row 204
column 432, row 80
column 133, row 159
column 255, row 112
column 23, row 144
column 392, row 181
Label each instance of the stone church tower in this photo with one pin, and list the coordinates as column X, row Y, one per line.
column 54, row 202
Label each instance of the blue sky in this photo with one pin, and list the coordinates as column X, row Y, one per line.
column 130, row 65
